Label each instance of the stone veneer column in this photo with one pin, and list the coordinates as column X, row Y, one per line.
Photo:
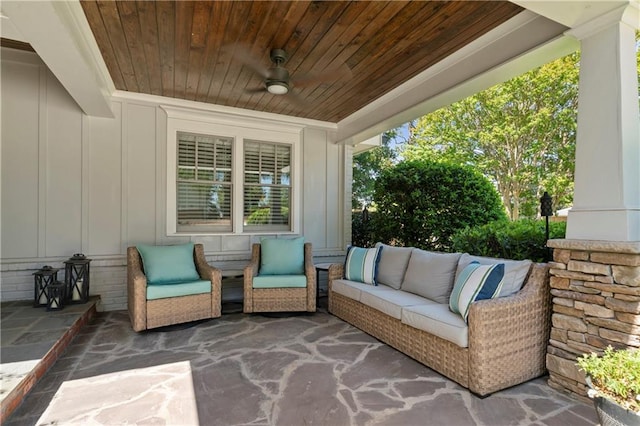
column 595, row 286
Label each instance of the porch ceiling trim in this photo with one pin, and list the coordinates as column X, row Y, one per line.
column 60, row 35
column 519, row 45
column 195, row 108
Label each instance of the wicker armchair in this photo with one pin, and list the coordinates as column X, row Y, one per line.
column 283, row 299
column 146, row 314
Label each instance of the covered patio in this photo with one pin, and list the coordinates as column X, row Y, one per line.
column 97, row 95
column 265, row 370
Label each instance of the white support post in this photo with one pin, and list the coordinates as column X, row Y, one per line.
column 607, row 175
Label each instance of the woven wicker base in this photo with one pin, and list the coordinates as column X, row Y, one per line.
column 441, row 355
column 507, row 335
column 176, row 310
column 279, row 299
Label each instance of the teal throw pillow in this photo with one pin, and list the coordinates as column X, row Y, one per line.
column 168, row 264
column 361, row 264
column 475, row 282
column 282, row 256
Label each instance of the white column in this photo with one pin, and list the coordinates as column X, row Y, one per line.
column 607, row 175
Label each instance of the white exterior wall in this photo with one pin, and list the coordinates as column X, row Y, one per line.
column 72, row 183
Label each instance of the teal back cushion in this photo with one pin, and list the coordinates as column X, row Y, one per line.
column 282, row 256
column 168, row 264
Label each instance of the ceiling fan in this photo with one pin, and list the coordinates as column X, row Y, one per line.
column 277, row 79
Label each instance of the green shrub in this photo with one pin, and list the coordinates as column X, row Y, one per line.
column 615, row 375
column 422, row 203
column 362, row 232
column 521, row 239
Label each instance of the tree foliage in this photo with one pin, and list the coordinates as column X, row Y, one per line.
column 366, row 169
column 423, row 203
column 520, row 134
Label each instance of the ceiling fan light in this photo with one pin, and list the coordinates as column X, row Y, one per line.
column 277, row 88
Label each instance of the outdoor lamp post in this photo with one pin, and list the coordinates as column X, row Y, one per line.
column 43, row 278
column 77, row 278
column 546, row 210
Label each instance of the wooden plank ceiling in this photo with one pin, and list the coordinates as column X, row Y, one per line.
column 344, row 54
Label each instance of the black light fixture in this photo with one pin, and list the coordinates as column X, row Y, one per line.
column 76, row 278
column 43, row 278
column 278, row 81
column 546, row 210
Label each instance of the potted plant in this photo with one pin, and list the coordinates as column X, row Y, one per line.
column 614, row 382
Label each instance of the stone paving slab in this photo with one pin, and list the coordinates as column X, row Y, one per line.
column 32, row 338
column 299, row 369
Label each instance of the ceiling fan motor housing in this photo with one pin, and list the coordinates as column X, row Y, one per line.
column 278, row 81
column 278, row 56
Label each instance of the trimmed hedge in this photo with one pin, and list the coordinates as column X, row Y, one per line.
column 521, row 239
column 423, row 203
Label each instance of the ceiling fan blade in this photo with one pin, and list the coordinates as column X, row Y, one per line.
column 244, row 55
column 255, row 90
column 295, row 99
column 332, row 75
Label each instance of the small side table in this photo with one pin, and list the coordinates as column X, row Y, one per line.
column 232, row 281
column 320, row 267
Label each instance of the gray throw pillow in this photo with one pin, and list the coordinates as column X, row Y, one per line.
column 392, row 265
column 515, row 271
column 431, row 274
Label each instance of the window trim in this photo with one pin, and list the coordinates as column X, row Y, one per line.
column 238, row 128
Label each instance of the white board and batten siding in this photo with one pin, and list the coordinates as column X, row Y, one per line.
column 72, row 183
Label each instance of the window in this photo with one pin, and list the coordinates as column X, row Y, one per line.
column 267, row 186
column 231, row 174
column 204, row 183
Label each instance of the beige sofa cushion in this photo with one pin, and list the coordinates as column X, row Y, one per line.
column 391, row 302
column 353, row 289
column 392, row 265
column 431, row 274
column 438, row 320
column 515, row 271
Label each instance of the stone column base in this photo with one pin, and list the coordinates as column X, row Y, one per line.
column 595, row 286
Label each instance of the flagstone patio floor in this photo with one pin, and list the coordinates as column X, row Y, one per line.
column 294, row 369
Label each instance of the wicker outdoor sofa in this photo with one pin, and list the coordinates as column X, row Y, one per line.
column 504, row 343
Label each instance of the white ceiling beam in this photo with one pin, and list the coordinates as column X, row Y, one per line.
column 523, row 43
column 571, row 13
column 60, row 35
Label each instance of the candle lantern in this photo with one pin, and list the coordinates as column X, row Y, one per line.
column 43, row 278
column 55, row 296
column 77, row 278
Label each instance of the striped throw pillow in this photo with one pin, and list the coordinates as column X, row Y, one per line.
column 475, row 282
column 361, row 264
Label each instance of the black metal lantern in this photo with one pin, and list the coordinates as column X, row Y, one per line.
column 77, row 278
column 43, row 278
column 546, row 210
column 546, row 205
column 55, row 296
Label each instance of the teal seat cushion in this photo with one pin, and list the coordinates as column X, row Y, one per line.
column 282, row 256
column 163, row 291
column 168, row 264
column 279, row 281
